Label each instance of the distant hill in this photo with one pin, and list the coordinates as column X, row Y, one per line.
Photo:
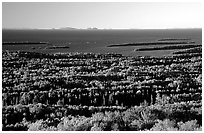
column 94, row 28
column 71, row 28
column 68, row 28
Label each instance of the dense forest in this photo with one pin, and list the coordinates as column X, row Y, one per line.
column 101, row 92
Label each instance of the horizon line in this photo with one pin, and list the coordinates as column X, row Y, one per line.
column 95, row 28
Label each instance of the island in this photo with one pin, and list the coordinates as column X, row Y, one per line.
column 151, row 43
column 57, row 47
column 23, row 43
column 169, row 47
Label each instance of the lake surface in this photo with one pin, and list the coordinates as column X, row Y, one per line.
column 96, row 40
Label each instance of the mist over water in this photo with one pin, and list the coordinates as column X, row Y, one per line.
column 95, row 40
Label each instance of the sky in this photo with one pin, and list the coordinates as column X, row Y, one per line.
column 115, row 15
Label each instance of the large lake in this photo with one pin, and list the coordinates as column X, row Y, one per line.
column 96, row 40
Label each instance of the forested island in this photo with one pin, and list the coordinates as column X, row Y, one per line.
column 57, row 47
column 175, row 39
column 171, row 47
column 23, row 43
column 158, row 42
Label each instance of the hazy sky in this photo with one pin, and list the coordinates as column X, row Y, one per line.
column 101, row 15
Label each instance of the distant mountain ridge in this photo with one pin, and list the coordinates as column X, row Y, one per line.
column 66, row 28
column 62, row 28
